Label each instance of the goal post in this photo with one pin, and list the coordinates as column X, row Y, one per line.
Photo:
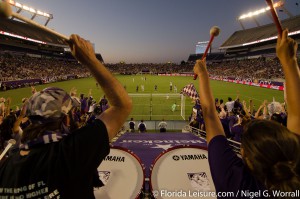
column 182, row 110
column 158, row 106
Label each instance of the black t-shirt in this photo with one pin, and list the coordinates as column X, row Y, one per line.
column 131, row 125
column 142, row 127
column 58, row 170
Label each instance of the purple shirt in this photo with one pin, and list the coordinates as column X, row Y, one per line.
column 83, row 104
column 228, row 171
column 237, row 132
column 225, row 124
column 232, row 120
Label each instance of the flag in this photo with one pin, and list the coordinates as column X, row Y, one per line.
column 190, row 91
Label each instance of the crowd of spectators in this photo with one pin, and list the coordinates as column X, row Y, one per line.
column 47, row 69
column 16, row 67
column 254, row 69
column 61, row 126
column 129, row 69
column 231, row 116
column 234, row 114
column 12, row 121
column 261, row 68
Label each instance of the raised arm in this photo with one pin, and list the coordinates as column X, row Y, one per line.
column 121, row 104
column 2, row 109
column 90, row 92
column 212, row 122
column 251, row 106
column 286, row 50
column 237, row 95
column 8, row 103
column 262, row 106
column 16, row 126
column 245, row 108
column 73, row 92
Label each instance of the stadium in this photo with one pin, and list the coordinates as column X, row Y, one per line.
column 245, row 68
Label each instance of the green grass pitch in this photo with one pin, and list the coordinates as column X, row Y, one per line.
column 157, row 107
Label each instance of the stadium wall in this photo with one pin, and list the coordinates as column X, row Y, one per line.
column 174, row 125
column 262, row 85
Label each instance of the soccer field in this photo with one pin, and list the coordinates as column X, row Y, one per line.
column 156, row 107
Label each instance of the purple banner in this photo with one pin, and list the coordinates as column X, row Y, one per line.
column 148, row 146
column 21, row 82
column 260, row 81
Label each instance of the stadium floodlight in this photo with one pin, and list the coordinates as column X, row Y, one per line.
column 31, row 10
column 260, row 11
column 26, row 8
column 18, row 5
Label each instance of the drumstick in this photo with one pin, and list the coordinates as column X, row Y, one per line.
column 275, row 17
column 214, row 32
column 6, row 12
column 11, row 142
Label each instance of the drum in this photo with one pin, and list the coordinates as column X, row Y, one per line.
column 122, row 174
column 182, row 172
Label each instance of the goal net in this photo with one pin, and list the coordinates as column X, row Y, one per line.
column 154, row 106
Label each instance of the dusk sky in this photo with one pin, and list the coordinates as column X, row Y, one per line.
column 150, row 31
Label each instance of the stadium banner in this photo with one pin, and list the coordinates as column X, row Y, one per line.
column 147, row 146
column 21, row 83
column 263, row 84
column 176, row 74
column 269, row 86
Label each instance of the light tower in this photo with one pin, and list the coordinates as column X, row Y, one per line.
column 252, row 15
column 21, row 7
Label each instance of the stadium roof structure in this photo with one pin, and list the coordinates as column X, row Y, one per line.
column 32, row 40
column 17, row 29
column 35, row 12
column 261, row 34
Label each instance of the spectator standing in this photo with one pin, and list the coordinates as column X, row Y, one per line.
column 162, row 126
column 131, row 124
column 53, row 155
column 104, row 104
column 142, row 127
column 270, row 151
column 229, row 105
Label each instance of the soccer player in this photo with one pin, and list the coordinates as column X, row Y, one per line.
column 175, row 89
column 173, row 107
column 142, row 87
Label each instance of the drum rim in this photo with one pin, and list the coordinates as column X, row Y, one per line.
column 139, row 161
column 167, row 151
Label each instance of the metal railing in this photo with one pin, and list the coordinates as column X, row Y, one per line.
column 236, row 146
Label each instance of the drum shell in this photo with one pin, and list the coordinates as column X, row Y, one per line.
column 176, row 169
column 123, row 175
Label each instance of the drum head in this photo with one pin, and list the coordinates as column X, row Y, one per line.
column 122, row 174
column 182, row 172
